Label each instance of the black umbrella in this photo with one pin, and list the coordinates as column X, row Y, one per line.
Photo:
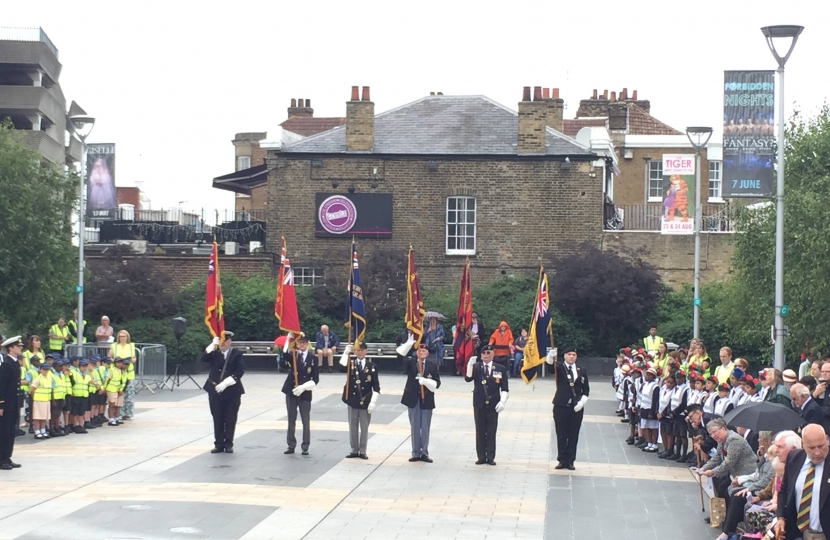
column 764, row 416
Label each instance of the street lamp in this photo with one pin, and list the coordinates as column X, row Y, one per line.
column 771, row 33
column 83, row 127
column 699, row 137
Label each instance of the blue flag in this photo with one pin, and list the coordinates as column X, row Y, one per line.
column 355, row 309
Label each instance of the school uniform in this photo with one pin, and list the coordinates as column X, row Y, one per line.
column 679, row 402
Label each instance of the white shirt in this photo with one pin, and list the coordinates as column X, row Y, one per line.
column 488, row 367
column 572, row 368
column 806, row 401
column 815, row 524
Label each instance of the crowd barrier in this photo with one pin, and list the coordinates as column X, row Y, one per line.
column 151, row 362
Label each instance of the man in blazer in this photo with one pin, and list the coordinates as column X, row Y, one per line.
column 490, row 394
column 803, row 509
column 571, row 395
column 224, row 388
column 806, row 406
column 325, row 347
column 303, row 377
column 361, row 396
column 422, row 380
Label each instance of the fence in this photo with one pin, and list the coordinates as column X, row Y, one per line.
column 151, row 362
column 646, row 217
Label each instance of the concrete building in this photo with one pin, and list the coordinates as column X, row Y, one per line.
column 31, row 96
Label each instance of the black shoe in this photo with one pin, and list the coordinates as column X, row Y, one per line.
column 571, row 467
column 330, row 371
column 560, row 466
column 217, row 450
column 641, row 445
column 14, row 465
column 490, row 462
column 229, row 450
column 363, row 456
column 352, row 455
column 673, row 457
column 624, row 420
column 629, row 440
column 57, row 433
column 681, row 459
column 663, row 455
column 289, row 451
column 20, row 433
column 619, row 413
column 414, row 459
column 89, row 425
column 305, row 452
column 66, row 430
column 706, row 520
column 426, row 459
column 31, row 430
column 5, row 467
column 482, row 462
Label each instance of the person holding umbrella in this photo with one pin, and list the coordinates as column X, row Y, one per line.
column 434, row 337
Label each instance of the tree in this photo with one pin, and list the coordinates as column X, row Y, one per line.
column 611, row 295
column 38, row 264
column 806, row 246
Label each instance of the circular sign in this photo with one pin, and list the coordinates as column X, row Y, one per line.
column 337, row 214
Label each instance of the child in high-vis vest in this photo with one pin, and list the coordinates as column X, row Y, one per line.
column 41, row 390
column 116, row 381
column 95, row 392
column 80, row 395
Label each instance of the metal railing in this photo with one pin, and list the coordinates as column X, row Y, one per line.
column 646, row 217
column 11, row 33
column 150, row 358
column 203, row 218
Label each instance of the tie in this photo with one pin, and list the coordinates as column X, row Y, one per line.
column 803, row 516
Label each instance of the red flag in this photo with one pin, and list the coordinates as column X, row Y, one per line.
column 214, row 316
column 414, row 304
column 463, row 344
column 285, row 306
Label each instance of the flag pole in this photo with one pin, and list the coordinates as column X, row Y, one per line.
column 351, row 317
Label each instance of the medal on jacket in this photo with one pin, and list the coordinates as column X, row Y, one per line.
column 308, row 371
column 570, row 375
column 368, row 378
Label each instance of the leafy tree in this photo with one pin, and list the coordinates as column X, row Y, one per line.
column 806, row 246
column 126, row 286
column 611, row 295
column 38, row 264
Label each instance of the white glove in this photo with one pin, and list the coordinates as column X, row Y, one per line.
column 470, row 365
column 551, row 357
column 306, row 386
column 229, row 381
column 581, row 403
column 429, row 383
column 502, row 401
column 373, row 403
column 344, row 360
column 213, row 344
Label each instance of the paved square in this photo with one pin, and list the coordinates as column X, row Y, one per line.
column 154, row 477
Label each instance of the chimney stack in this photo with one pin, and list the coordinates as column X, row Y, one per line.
column 556, row 111
column 531, row 133
column 596, row 106
column 300, row 108
column 360, row 122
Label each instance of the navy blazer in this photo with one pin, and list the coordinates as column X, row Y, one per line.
column 235, row 368
column 788, row 506
column 487, row 388
column 357, row 393
column 306, row 371
column 334, row 341
column 412, row 389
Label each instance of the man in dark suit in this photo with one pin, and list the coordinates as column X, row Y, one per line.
column 9, row 405
column 224, row 388
column 361, row 395
column 303, row 377
column 571, row 395
column 803, row 510
column 806, row 406
column 490, row 394
column 422, row 380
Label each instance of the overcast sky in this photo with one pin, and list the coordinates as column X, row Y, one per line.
column 172, row 82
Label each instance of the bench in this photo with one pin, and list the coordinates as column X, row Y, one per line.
column 255, row 348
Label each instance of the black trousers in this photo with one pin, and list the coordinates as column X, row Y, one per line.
column 487, row 422
column 224, row 413
column 568, row 424
column 8, row 431
column 734, row 513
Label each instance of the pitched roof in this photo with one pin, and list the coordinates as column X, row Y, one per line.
column 641, row 122
column 443, row 125
column 572, row 127
column 311, row 126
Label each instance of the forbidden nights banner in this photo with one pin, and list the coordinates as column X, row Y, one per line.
column 748, row 134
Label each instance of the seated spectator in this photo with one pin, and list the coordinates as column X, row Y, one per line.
column 761, row 509
column 501, row 339
column 519, row 351
column 746, row 485
column 733, row 457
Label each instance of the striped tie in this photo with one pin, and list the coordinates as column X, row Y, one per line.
column 803, row 517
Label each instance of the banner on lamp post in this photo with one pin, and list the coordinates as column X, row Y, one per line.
column 678, row 194
column 748, row 134
column 100, row 186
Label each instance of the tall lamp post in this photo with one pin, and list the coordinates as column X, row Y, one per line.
column 699, row 137
column 771, row 33
column 83, row 127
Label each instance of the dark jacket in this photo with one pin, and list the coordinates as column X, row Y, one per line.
column 566, row 392
column 333, row 341
column 779, row 394
column 788, row 506
column 9, row 384
column 235, row 368
column 357, row 393
column 306, row 371
column 812, row 413
column 412, row 390
column 487, row 389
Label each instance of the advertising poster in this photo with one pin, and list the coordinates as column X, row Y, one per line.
column 678, row 194
column 362, row 215
column 748, row 134
column 100, row 190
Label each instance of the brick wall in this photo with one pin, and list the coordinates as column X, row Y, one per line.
column 673, row 255
column 630, row 187
column 527, row 209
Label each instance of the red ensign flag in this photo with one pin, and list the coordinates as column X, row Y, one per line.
column 214, row 316
column 463, row 344
column 285, row 306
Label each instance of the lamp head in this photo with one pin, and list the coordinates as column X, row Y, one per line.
column 782, row 31
column 699, row 136
column 82, row 124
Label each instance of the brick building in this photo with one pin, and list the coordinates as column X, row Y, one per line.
column 455, row 176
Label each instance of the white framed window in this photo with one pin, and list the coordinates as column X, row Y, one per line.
column 461, row 226
column 715, row 182
column 654, row 180
column 243, row 162
column 307, row 277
